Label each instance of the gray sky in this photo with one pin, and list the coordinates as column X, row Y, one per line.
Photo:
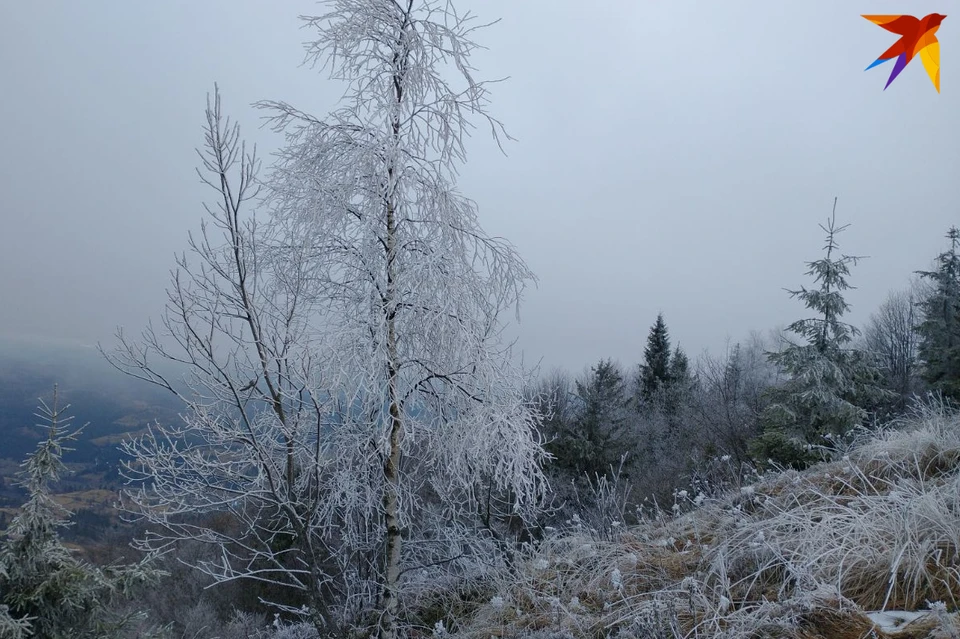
column 671, row 156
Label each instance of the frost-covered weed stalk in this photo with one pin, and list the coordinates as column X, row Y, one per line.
column 353, row 406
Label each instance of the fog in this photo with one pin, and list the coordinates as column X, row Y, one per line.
column 673, row 157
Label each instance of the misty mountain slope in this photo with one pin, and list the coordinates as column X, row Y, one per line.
column 110, row 402
column 111, row 405
column 803, row 555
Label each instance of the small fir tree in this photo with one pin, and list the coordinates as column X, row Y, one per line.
column 829, row 384
column 45, row 590
column 601, row 431
column 679, row 367
column 655, row 370
column 589, row 429
column 681, row 381
column 939, row 329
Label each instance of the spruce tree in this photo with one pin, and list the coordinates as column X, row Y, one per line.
column 680, row 382
column 939, row 329
column 599, row 434
column 45, row 590
column 655, row 370
column 680, row 369
column 830, row 384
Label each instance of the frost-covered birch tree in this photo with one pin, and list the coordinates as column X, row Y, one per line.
column 233, row 345
column 354, row 406
column 412, row 288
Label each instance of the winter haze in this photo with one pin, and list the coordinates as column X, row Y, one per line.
column 669, row 156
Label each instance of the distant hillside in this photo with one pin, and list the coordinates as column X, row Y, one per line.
column 112, row 404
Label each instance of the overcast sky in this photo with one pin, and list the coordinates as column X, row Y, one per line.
column 670, row 156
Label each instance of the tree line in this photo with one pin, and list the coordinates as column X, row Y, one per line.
column 782, row 400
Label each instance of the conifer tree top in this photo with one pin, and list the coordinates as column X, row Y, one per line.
column 829, row 272
column 829, row 383
column 655, row 370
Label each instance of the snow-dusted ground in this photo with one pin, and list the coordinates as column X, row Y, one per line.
column 893, row 620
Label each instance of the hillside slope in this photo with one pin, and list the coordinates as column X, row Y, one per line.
column 810, row 555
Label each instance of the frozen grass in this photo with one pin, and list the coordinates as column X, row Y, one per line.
column 796, row 555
